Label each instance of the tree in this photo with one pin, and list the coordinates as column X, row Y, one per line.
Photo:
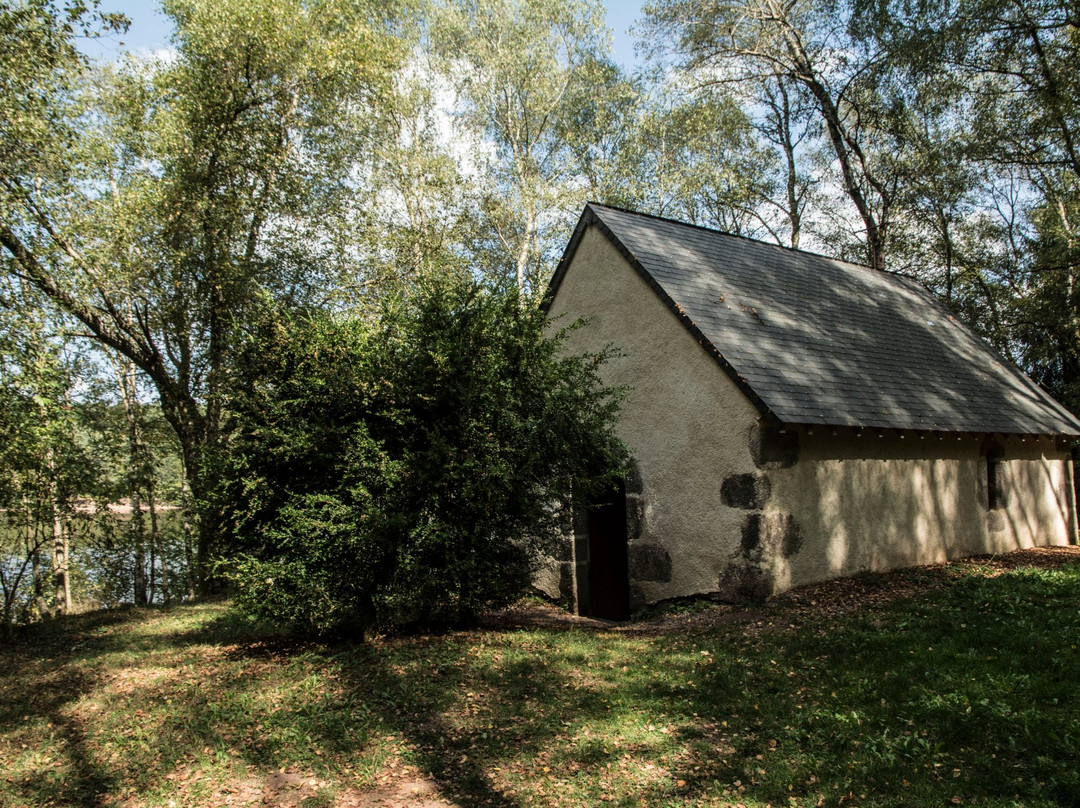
column 410, row 471
column 1004, row 96
column 421, row 195
column 156, row 208
column 803, row 45
column 694, row 156
column 786, row 125
column 534, row 75
column 1014, row 71
column 136, row 551
column 44, row 466
column 1047, row 319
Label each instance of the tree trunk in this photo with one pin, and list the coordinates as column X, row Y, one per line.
column 791, row 168
column 125, row 376
column 206, row 528
column 846, row 146
column 189, row 549
column 61, row 584
column 156, row 542
column 61, row 580
column 33, row 538
column 138, row 536
column 522, row 261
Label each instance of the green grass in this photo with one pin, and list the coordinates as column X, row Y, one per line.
column 966, row 694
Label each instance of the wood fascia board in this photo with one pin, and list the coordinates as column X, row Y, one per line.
column 589, row 217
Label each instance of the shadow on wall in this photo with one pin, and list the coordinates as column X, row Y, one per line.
column 878, row 502
column 1021, row 516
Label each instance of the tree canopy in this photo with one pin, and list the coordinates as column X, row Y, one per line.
column 162, row 198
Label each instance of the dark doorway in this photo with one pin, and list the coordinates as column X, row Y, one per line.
column 609, row 575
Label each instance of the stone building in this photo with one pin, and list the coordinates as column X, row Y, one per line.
column 792, row 418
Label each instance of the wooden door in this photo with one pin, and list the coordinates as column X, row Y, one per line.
column 609, row 578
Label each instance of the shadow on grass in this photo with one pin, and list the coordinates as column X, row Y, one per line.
column 44, row 672
column 969, row 693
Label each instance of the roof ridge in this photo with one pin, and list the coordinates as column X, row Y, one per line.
column 757, row 241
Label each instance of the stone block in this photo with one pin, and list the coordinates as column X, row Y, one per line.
column 747, row 491
column 649, row 562
column 745, row 583
column 770, row 536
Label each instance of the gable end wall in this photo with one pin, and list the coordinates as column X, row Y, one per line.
column 684, row 420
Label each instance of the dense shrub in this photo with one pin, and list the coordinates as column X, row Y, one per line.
column 408, row 471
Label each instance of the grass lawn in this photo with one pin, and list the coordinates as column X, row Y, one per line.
column 937, row 686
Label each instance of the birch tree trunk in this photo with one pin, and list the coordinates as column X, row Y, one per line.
column 61, row 579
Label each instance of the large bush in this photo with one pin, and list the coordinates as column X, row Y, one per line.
column 408, row 471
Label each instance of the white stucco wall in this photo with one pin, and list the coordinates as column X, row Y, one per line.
column 848, row 503
column 1039, row 508
column 685, row 421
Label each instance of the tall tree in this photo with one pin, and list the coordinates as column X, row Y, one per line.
column 532, row 74
column 156, row 210
column 810, row 46
column 786, row 127
column 420, row 197
column 44, row 467
column 692, row 155
column 1006, row 70
column 1014, row 64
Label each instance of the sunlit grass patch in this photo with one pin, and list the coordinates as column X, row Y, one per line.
column 964, row 692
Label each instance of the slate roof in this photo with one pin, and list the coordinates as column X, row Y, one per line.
column 816, row 341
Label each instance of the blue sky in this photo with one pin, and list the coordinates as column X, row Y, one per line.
column 621, row 14
column 150, row 29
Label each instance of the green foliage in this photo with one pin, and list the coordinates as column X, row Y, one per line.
column 809, row 49
column 154, row 201
column 536, row 79
column 693, row 157
column 953, row 130
column 39, row 66
column 44, row 465
column 410, row 471
column 62, row 461
column 1047, row 318
column 106, row 551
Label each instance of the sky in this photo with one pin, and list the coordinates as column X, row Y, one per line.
column 621, row 14
column 150, row 29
